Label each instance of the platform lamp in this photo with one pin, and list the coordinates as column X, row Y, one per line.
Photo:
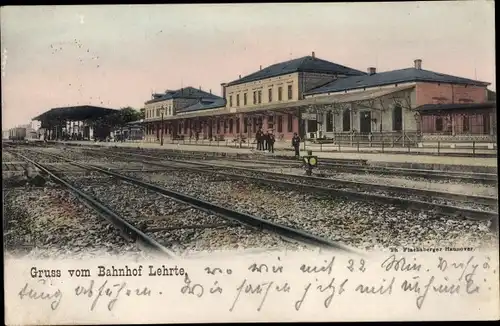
column 162, row 127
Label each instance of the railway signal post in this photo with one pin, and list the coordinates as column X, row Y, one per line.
column 310, row 162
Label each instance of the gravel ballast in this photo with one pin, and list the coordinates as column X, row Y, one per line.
column 51, row 222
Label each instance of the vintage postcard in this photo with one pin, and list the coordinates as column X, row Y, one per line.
column 249, row 162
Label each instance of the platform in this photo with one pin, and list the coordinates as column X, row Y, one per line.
column 376, row 158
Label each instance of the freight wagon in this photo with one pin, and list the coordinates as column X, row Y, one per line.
column 17, row 134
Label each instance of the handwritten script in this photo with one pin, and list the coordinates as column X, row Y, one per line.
column 258, row 284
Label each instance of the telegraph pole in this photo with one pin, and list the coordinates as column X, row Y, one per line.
column 162, row 112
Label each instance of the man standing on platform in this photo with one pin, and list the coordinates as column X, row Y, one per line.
column 258, row 136
column 296, row 144
column 265, row 140
column 270, row 141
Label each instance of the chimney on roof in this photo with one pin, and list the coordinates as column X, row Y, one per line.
column 260, row 67
column 418, row 64
column 240, row 77
column 223, row 90
column 200, row 88
column 372, row 70
column 210, row 91
column 313, row 55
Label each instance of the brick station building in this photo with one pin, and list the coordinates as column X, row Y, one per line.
column 320, row 99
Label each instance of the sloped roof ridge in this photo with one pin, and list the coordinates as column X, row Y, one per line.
column 390, row 77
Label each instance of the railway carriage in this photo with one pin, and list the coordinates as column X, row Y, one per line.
column 17, row 134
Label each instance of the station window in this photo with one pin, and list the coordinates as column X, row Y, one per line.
column 230, row 126
column 254, row 125
column 237, row 99
column 218, row 126
column 237, row 125
column 270, row 94
column 290, row 94
column 270, row 122
column 397, row 118
column 465, row 123
column 329, row 121
column 230, row 101
column 255, row 97
column 290, row 122
column 439, row 124
column 260, row 96
column 245, row 125
column 280, row 123
column 280, row 93
column 225, row 125
column 486, row 123
column 244, row 98
column 346, row 120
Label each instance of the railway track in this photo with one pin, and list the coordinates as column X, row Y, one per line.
column 425, row 200
column 337, row 165
column 127, row 230
column 262, row 225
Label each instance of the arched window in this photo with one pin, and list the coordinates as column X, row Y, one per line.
column 397, row 118
column 346, row 120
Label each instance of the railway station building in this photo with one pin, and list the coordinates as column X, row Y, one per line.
column 270, row 98
column 319, row 99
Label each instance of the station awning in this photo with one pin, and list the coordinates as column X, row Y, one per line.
column 318, row 100
column 74, row 113
column 430, row 108
column 355, row 97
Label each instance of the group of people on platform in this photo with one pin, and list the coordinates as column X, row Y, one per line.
column 265, row 142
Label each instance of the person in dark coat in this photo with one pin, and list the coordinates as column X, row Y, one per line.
column 270, row 141
column 296, row 144
column 266, row 140
column 258, row 136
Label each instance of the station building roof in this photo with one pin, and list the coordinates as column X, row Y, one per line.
column 205, row 104
column 430, row 108
column 304, row 64
column 74, row 113
column 185, row 93
column 392, row 77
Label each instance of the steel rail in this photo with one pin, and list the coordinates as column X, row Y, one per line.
column 211, row 208
column 126, row 229
column 402, row 202
column 353, row 165
column 489, row 201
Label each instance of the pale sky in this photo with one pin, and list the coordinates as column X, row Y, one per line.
column 133, row 50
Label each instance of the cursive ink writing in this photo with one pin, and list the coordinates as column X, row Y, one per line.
column 331, row 287
column 382, row 289
column 315, row 269
column 298, row 303
column 213, row 271
column 30, row 293
column 111, row 291
column 392, row 263
column 258, row 289
column 195, row 289
column 260, row 268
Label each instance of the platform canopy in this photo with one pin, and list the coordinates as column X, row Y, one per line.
column 431, row 108
column 325, row 102
column 74, row 113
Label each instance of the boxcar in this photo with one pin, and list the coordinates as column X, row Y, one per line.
column 17, row 134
